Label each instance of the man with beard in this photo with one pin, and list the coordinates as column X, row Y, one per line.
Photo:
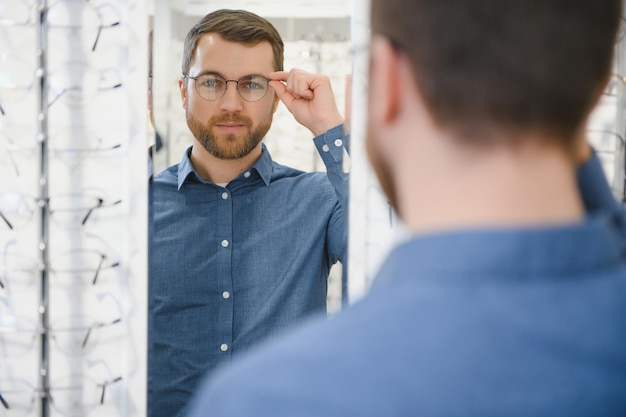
column 508, row 299
column 240, row 246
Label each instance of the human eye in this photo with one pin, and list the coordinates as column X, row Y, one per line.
column 253, row 83
column 210, row 81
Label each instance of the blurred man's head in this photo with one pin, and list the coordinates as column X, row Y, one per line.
column 490, row 71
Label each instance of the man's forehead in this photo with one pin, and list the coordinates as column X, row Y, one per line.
column 213, row 53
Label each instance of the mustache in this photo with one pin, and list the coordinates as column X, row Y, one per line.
column 230, row 118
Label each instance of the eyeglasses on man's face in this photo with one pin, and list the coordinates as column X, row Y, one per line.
column 213, row 86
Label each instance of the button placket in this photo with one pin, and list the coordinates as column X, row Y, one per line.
column 224, row 234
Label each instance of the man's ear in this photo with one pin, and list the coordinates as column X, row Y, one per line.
column 384, row 81
column 182, row 85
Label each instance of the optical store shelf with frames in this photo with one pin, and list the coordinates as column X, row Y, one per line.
column 73, row 207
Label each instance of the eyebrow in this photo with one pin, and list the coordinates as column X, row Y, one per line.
column 210, row 72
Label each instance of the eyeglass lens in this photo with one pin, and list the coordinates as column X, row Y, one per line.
column 213, row 86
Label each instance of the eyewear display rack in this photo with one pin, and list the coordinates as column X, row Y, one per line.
column 73, row 208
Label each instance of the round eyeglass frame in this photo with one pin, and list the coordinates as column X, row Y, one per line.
column 195, row 81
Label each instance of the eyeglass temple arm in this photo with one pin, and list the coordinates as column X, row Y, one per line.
column 104, row 387
column 6, row 220
column 4, row 402
column 95, row 43
column 97, row 325
column 95, row 277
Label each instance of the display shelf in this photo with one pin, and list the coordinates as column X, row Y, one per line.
column 73, row 201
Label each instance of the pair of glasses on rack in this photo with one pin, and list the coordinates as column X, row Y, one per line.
column 73, row 395
column 77, row 17
column 72, row 269
column 75, row 82
column 70, row 146
column 74, row 335
column 71, row 211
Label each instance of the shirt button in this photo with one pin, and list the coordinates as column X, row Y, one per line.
column 226, row 294
column 246, row 174
column 224, row 243
column 338, row 142
column 224, row 195
column 224, row 347
column 325, row 148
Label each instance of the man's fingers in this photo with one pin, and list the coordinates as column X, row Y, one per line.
column 278, row 76
column 296, row 82
column 281, row 91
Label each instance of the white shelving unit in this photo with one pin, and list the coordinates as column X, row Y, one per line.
column 73, row 208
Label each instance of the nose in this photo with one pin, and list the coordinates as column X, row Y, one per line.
column 231, row 101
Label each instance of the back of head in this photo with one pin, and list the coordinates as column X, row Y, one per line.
column 505, row 65
column 235, row 26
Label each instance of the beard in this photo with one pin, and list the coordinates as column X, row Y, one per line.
column 382, row 170
column 228, row 146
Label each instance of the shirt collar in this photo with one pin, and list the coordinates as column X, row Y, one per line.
column 479, row 255
column 263, row 166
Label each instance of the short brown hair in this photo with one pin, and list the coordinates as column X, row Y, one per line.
column 235, row 26
column 505, row 65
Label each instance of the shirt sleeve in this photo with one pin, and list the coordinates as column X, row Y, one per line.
column 332, row 146
column 598, row 197
column 594, row 188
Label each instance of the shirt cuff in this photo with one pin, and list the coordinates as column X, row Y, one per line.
column 331, row 145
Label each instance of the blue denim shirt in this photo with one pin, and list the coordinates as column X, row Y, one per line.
column 230, row 266
column 483, row 322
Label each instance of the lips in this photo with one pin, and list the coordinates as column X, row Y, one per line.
column 233, row 124
column 230, row 123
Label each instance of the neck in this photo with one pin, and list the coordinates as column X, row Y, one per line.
column 221, row 171
column 534, row 186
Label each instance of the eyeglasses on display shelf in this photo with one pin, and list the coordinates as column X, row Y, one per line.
column 71, row 211
column 71, row 269
column 67, row 276
column 74, row 335
column 76, row 395
column 80, row 19
column 73, row 332
column 75, row 82
column 72, row 147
